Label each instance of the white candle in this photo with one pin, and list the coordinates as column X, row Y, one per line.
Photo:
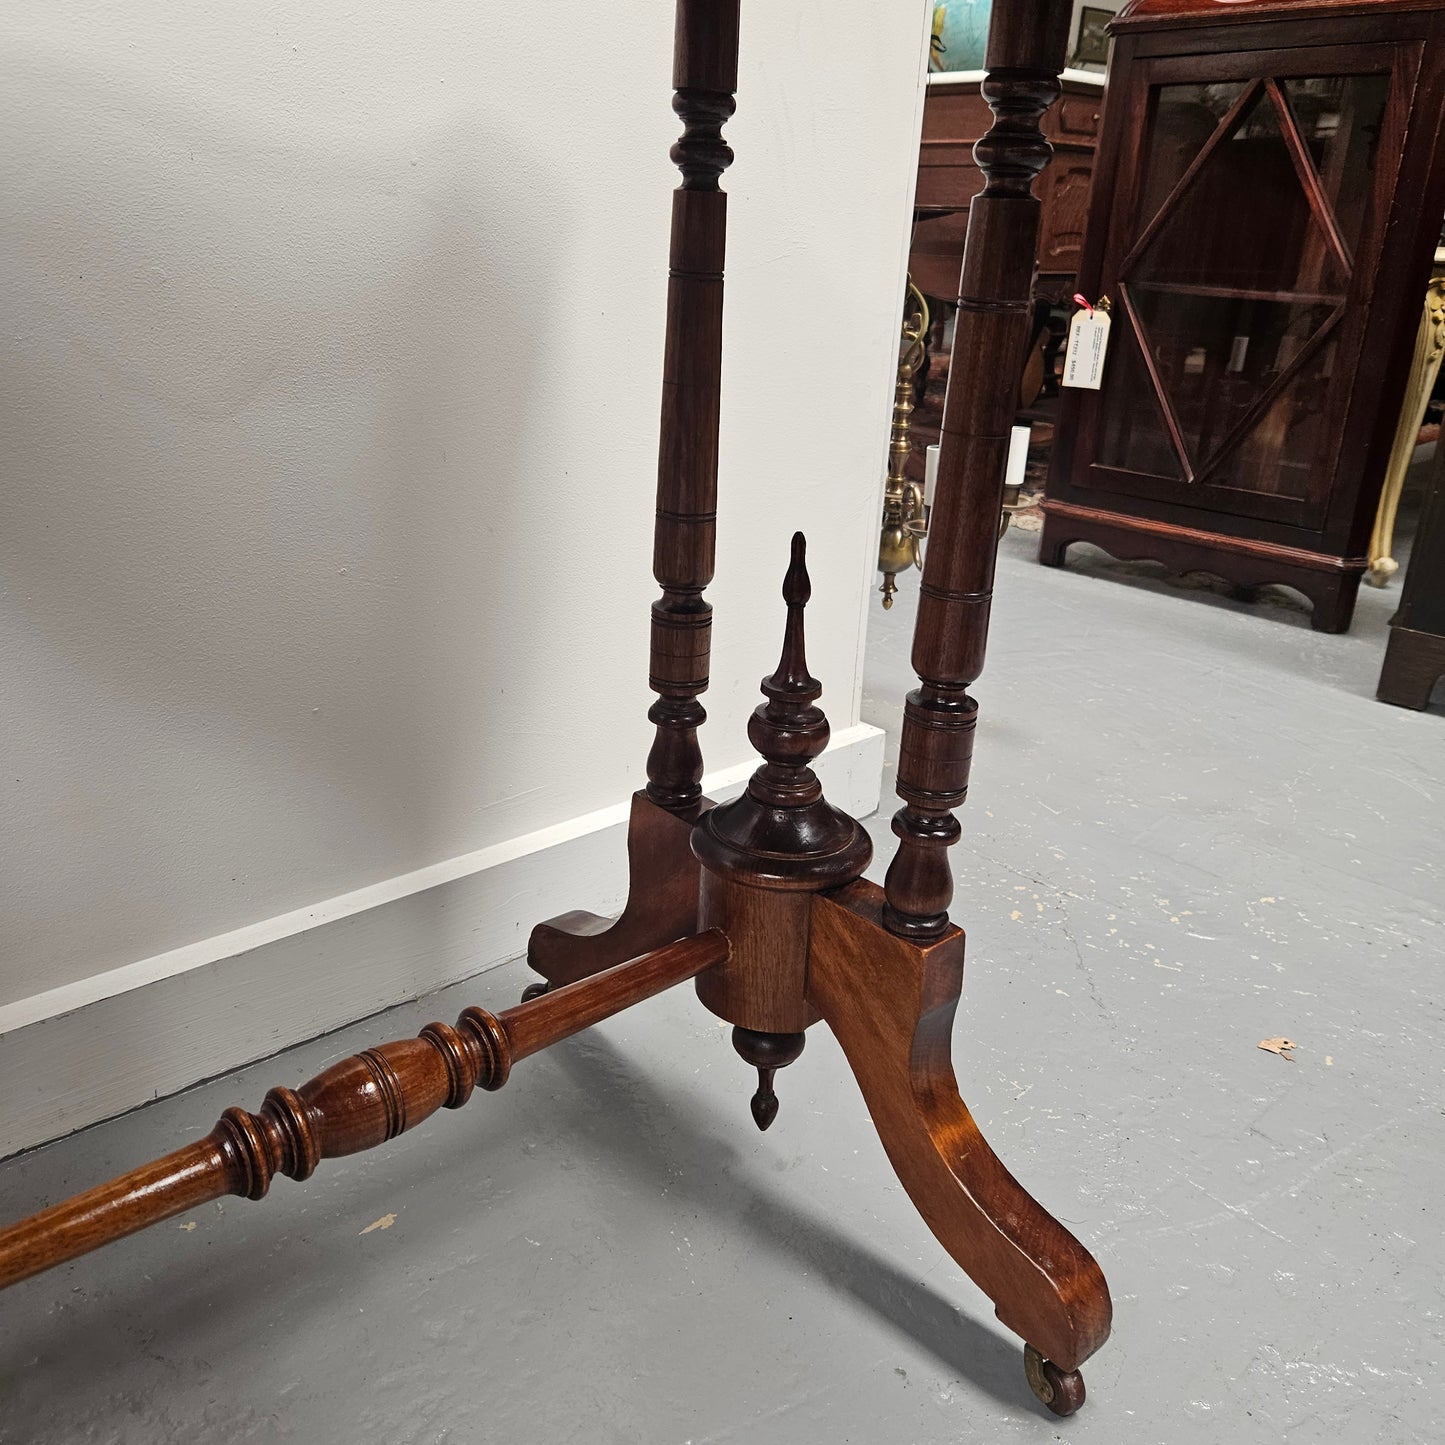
column 1018, row 457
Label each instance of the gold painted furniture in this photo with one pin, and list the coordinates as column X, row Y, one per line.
column 1424, row 368
column 1415, row 656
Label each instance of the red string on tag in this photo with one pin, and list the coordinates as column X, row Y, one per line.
column 1083, row 301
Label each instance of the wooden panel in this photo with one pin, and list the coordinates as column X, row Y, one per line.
column 948, row 185
column 1076, row 115
column 1066, row 211
column 954, row 118
column 955, row 112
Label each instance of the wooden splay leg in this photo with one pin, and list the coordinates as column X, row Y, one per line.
column 885, row 966
column 661, row 907
column 891, row 1002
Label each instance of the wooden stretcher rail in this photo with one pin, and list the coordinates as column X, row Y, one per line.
column 356, row 1104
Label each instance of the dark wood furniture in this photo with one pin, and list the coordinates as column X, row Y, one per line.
column 1269, row 193
column 955, row 118
column 1415, row 654
column 760, row 900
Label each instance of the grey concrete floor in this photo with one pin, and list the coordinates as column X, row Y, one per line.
column 1191, row 829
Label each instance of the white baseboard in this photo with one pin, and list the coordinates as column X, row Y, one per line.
column 94, row 1049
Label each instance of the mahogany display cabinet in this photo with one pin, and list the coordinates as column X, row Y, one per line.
column 1265, row 209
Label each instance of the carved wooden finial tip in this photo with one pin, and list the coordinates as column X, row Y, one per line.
column 797, row 585
column 764, row 1105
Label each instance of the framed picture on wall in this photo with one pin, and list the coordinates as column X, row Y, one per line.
column 1092, row 46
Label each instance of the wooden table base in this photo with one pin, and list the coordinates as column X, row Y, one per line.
column 759, row 899
column 794, row 936
column 661, row 904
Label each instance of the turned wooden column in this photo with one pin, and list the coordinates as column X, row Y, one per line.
column 1027, row 42
column 704, row 76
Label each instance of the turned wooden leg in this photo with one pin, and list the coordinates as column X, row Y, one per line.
column 661, row 904
column 891, row 1002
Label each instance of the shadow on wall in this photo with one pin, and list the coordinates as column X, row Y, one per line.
column 264, row 414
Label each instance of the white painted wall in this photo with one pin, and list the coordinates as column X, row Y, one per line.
column 332, row 346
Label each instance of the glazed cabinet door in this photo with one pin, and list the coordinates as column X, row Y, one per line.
column 1248, row 215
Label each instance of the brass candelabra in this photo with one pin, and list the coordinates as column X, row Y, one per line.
column 906, row 504
column 905, row 513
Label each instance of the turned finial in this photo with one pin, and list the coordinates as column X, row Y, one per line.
column 782, row 829
column 789, row 730
column 767, row 1053
column 781, row 837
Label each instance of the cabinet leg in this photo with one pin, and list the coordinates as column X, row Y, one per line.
column 1052, row 545
column 1414, row 663
column 1334, row 602
column 891, row 1003
column 661, row 903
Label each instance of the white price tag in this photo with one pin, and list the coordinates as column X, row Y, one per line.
column 1088, row 341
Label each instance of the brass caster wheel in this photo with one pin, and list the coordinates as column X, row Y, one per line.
column 1061, row 1392
column 535, row 990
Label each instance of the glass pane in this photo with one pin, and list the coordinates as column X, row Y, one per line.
column 1244, row 223
column 1340, row 118
column 1185, row 116
column 1134, row 436
column 1281, row 452
column 1217, row 355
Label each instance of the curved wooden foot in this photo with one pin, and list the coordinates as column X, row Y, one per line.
column 891, row 1004
column 661, row 904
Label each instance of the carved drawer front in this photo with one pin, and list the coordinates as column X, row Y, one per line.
column 1076, row 117
column 1066, row 210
